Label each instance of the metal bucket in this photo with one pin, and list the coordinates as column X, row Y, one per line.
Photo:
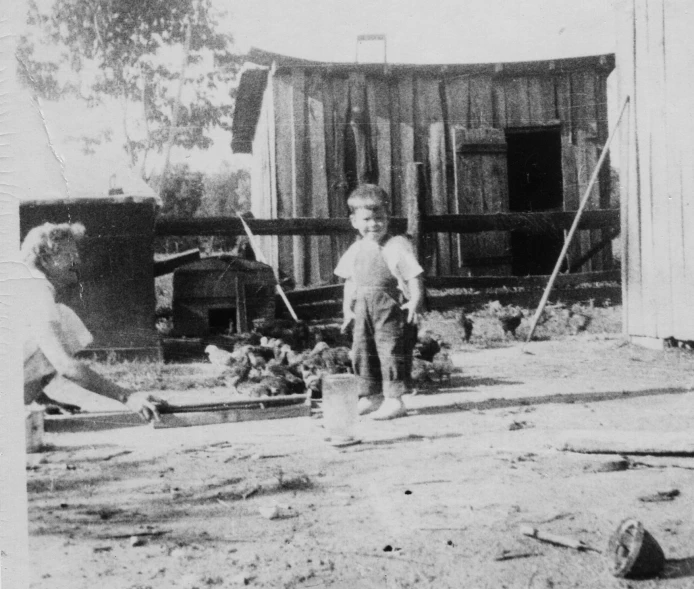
column 635, row 554
column 340, row 397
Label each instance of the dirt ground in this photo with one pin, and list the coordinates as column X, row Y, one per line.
column 431, row 500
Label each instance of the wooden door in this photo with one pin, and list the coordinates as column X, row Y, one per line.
column 481, row 178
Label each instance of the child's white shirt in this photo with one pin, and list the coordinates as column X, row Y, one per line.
column 398, row 254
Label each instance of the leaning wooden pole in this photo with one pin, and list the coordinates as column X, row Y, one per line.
column 261, row 258
column 574, row 226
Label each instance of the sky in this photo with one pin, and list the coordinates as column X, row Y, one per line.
column 417, row 31
column 427, row 31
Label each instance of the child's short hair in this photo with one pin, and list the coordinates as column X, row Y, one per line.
column 368, row 196
column 47, row 239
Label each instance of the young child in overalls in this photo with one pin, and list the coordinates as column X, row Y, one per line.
column 383, row 294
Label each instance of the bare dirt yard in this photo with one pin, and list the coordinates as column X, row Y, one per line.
column 434, row 499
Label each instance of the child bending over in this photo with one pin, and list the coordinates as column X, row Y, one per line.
column 53, row 332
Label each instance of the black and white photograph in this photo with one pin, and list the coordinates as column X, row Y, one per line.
column 345, row 294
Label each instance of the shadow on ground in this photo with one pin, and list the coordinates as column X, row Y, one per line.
column 679, row 568
column 568, row 398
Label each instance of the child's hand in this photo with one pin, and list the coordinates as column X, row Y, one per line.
column 411, row 308
column 349, row 317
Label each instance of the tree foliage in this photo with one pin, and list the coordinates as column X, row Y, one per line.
column 132, row 51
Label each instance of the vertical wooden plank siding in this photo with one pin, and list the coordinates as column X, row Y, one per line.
column 517, row 107
column 405, row 86
column 428, row 110
column 568, row 154
column 483, row 188
column 582, row 97
column 284, row 170
column 680, row 172
column 536, row 115
column 397, row 173
column 378, row 100
column 658, row 164
column 457, row 92
column 643, row 149
column 629, row 198
column 439, row 192
column 657, row 178
column 498, row 103
column 481, row 102
column 300, row 162
column 605, row 173
column 335, row 99
column 458, row 101
column 321, row 255
column 263, row 193
column 359, row 122
column 592, row 147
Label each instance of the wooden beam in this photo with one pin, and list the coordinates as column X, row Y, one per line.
column 531, row 222
column 170, row 420
column 163, row 267
column 327, row 293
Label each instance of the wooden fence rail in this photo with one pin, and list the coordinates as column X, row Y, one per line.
column 530, row 222
column 334, row 291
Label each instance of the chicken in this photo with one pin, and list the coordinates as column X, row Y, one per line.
column 218, row 356
column 254, row 389
column 578, row 320
column 422, row 371
column 467, row 324
column 289, row 357
column 239, row 371
column 510, row 319
column 295, row 384
column 427, row 346
column 442, row 366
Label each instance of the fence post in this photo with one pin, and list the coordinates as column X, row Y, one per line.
column 414, row 217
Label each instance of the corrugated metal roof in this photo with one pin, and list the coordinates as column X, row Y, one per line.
column 249, row 98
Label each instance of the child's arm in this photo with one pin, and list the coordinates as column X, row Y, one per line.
column 413, row 306
column 347, row 302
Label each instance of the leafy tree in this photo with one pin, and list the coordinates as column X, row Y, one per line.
column 134, row 51
column 226, row 193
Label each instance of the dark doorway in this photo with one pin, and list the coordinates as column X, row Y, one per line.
column 221, row 321
column 535, row 184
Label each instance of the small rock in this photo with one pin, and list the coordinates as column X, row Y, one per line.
column 660, row 496
column 137, row 541
column 240, row 579
column 102, row 549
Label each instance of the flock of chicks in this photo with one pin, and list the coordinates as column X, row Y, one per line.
column 288, row 359
column 576, row 318
column 270, row 365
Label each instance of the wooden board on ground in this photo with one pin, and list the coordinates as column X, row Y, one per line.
column 91, row 422
column 680, row 443
column 189, row 419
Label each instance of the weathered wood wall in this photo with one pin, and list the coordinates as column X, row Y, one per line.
column 336, row 128
column 655, row 55
column 263, row 174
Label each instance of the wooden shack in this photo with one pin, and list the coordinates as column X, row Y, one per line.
column 493, row 138
column 655, row 54
column 220, row 295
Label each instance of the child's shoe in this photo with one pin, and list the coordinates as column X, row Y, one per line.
column 390, row 409
column 369, row 404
